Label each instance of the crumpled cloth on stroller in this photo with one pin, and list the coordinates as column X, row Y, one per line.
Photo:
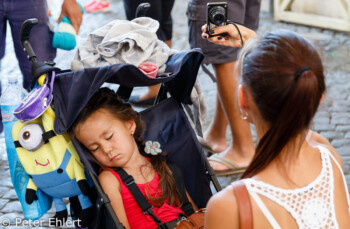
column 122, row 41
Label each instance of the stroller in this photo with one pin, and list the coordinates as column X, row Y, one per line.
column 166, row 121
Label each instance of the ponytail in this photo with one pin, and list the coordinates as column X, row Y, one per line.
column 287, row 94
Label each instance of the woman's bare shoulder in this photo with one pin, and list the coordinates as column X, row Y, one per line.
column 317, row 139
column 222, row 210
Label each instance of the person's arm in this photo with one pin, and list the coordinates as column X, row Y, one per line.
column 222, row 210
column 232, row 38
column 111, row 187
column 72, row 10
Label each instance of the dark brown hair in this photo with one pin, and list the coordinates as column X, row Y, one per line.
column 107, row 99
column 284, row 74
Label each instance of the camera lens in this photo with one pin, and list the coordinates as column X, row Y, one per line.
column 217, row 15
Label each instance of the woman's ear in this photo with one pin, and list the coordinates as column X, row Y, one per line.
column 242, row 98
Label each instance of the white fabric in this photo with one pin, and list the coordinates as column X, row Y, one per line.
column 311, row 206
column 67, row 28
column 344, row 181
column 133, row 42
column 122, row 41
column 265, row 210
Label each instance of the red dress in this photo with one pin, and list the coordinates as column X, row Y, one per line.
column 138, row 220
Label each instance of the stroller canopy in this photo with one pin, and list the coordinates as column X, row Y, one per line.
column 72, row 90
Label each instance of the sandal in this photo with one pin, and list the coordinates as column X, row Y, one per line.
column 233, row 167
column 97, row 6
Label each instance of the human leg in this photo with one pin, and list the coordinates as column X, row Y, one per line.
column 168, row 43
column 166, row 21
column 40, row 39
column 215, row 135
column 241, row 149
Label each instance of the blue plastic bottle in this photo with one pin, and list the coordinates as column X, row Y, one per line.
column 10, row 99
column 13, row 95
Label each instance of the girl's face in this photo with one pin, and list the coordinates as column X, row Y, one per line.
column 109, row 139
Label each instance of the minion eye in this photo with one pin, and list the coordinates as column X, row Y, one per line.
column 26, row 135
column 31, row 137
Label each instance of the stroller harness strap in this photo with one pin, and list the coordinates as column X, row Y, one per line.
column 146, row 207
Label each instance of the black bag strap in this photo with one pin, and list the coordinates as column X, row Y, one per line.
column 141, row 200
column 178, row 177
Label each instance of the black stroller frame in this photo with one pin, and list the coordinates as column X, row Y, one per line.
column 73, row 89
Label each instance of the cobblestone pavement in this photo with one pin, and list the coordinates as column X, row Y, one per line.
column 332, row 119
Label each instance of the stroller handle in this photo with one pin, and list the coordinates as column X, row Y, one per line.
column 142, row 9
column 24, row 36
column 38, row 68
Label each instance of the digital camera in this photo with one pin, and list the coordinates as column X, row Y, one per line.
column 216, row 15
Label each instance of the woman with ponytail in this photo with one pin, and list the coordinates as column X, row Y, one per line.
column 295, row 179
column 111, row 131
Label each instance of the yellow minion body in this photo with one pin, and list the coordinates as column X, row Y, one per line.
column 48, row 157
column 52, row 164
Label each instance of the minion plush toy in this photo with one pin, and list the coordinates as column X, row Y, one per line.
column 52, row 164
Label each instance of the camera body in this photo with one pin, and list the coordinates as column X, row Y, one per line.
column 216, row 15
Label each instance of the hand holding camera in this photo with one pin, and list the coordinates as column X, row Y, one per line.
column 221, row 31
column 235, row 35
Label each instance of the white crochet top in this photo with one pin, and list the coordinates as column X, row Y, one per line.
column 311, row 206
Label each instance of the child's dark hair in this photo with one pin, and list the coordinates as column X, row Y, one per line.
column 284, row 74
column 107, row 99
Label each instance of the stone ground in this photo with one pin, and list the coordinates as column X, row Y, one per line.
column 332, row 120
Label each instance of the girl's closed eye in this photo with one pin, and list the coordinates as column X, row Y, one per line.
column 110, row 137
column 94, row 149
